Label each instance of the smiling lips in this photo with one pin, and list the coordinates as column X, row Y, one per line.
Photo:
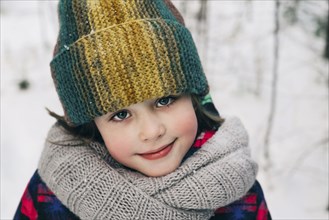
column 162, row 152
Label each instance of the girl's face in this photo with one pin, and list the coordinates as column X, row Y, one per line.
column 151, row 137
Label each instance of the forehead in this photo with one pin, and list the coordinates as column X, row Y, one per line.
column 148, row 102
column 153, row 101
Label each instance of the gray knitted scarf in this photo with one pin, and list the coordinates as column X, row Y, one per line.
column 93, row 185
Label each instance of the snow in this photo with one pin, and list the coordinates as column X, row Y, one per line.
column 239, row 68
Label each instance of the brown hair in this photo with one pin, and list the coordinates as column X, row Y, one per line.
column 208, row 119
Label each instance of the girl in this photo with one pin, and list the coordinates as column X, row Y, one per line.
column 140, row 138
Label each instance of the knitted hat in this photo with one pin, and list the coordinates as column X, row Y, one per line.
column 114, row 53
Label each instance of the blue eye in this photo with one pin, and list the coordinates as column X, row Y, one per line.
column 120, row 116
column 165, row 101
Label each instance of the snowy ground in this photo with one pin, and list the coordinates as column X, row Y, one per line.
column 239, row 67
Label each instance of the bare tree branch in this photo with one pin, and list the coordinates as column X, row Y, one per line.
column 274, row 87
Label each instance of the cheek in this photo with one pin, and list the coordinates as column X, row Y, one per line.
column 119, row 146
column 117, row 141
column 187, row 123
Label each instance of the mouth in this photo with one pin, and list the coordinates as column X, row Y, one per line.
column 158, row 153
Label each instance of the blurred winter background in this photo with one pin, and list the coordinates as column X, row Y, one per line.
column 266, row 61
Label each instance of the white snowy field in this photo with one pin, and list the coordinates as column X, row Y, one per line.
column 238, row 62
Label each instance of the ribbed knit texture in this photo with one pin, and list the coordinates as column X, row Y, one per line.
column 94, row 186
column 114, row 53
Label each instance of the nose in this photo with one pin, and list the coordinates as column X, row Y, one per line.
column 151, row 128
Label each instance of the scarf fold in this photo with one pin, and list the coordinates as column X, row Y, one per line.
column 93, row 185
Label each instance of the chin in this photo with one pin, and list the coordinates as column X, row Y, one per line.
column 160, row 172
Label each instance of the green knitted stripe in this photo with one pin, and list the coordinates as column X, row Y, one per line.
column 163, row 10
column 106, row 58
column 191, row 63
column 85, row 104
column 173, row 48
column 80, row 10
column 68, row 25
column 144, row 12
column 151, row 9
column 162, row 66
column 67, row 89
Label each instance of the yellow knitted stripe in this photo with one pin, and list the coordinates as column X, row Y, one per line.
column 147, row 79
column 132, row 11
column 115, row 76
column 88, row 65
column 116, row 12
column 94, row 13
column 119, row 79
column 132, row 79
column 113, row 79
column 99, row 86
column 124, row 13
column 162, row 60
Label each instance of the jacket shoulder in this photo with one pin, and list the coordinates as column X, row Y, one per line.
column 39, row 202
column 252, row 206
